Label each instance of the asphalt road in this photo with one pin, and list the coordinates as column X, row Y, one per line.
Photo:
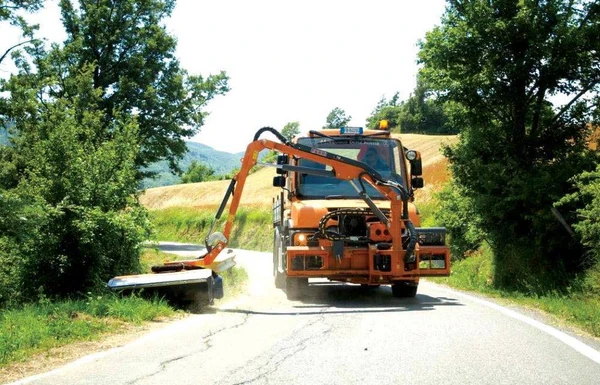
column 341, row 334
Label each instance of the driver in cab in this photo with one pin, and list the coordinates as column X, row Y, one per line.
column 373, row 159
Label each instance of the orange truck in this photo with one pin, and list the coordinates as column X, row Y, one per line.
column 345, row 213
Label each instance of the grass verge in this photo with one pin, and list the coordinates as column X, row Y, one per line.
column 38, row 327
column 252, row 228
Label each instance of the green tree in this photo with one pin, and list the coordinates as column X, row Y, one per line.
column 135, row 69
column 9, row 9
column 85, row 117
column 385, row 110
column 9, row 12
column 420, row 113
column 498, row 62
column 337, row 118
column 423, row 114
column 197, row 172
column 290, row 130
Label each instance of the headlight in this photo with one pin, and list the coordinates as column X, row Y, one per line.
column 301, row 239
column 411, row 155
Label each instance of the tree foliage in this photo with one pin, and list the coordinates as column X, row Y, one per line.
column 9, row 9
column 85, row 116
column 587, row 198
column 337, row 118
column 74, row 197
column 460, row 219
column 385, row 110
column 290, row 130
column 9, row 12
column 418, row 114
column 135, row 70
column 197, row 172
column 499, row 62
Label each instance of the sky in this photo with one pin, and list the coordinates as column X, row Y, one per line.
column 291, row 60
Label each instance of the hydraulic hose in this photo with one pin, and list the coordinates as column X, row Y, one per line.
column 413, row 238
column 273, row 131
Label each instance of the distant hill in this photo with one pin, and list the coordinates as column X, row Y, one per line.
column 220, row 161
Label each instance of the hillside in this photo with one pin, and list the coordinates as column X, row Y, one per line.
column 259, row 191
column 220, row 161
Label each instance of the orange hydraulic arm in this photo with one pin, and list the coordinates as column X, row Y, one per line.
column 343, row 168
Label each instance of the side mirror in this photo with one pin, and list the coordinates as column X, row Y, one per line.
column 417, row 182
column 279, row 181
column 282, row 159
column 416, row 168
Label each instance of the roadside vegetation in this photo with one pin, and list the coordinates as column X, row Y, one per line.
column 576, row 304
column 251, row 230
column 32, row 328
column 37, row 327
column 521, row 208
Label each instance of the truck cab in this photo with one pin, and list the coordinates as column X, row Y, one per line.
column 324, row 227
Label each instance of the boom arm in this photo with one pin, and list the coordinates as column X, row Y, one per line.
column 343, row 168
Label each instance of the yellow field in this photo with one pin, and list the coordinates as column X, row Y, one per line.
column 259, row 191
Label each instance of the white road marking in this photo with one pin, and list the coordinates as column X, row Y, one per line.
column 572, row 342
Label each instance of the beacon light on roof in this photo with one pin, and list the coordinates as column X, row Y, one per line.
column 383, row 124
column 351, row 131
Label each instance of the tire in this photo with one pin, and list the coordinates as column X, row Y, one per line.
column 404, row 289
column 295, row 288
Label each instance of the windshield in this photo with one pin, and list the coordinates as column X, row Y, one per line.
column 382, row 154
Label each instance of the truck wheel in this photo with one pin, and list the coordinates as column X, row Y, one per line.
column 404, row 289
column 295, row 288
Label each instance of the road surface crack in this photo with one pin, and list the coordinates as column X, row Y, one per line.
column 206, row 341
column 284, row 353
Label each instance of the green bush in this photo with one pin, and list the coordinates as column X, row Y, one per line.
column 20, row 223
column 83, row 248
column 587, row 225
column 474, row 272
column 74, row 201
column 455, row 212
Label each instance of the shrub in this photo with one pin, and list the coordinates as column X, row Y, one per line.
column 77, row 192
column 455, row 212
